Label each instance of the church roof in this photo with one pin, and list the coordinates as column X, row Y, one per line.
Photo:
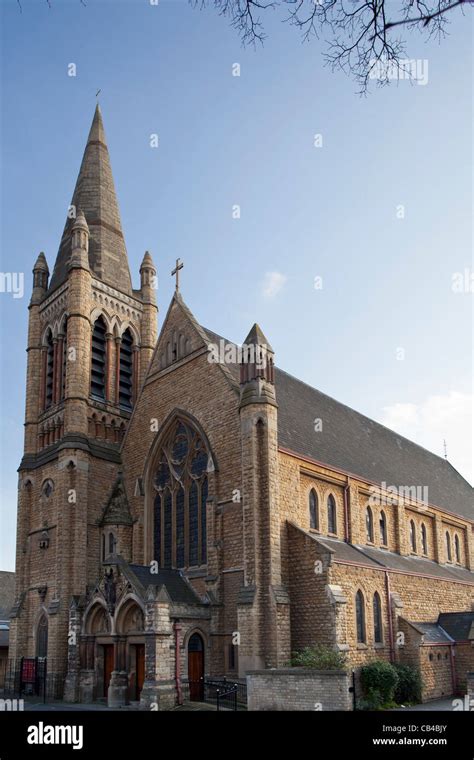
column 354, row 443
column 95, row 196
column 178, row 588
column 381, row 558
column 458, row 625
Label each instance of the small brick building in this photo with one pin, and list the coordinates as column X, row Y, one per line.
column 186, row 509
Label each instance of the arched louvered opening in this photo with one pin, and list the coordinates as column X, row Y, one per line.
column 49, row 379
column 64, row 363
column 126, row 370
column 98, row 360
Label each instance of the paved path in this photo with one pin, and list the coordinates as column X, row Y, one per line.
column 435, row 705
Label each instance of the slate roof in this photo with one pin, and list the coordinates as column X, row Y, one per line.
column 179, row 590
column 418, row 565
column 458, row 625
column 7, row 593
column 432, row 633
column 369, row 555
column 351, row 442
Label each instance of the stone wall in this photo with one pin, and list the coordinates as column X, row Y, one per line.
column 298, row 689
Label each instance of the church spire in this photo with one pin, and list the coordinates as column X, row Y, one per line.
column 95, row 195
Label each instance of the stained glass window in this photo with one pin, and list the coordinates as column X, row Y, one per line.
column 180, row 530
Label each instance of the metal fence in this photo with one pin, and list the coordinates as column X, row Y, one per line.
column 31, row 677
column 222, row 692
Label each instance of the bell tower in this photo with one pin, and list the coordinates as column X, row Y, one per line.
column 90, row 340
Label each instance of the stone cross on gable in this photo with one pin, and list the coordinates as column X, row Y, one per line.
column 179, row 265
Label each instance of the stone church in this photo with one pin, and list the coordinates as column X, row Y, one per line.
column 183, row 517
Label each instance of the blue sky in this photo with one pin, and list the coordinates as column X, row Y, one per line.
column 306, row 211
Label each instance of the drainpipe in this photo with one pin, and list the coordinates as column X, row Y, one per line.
column 177, row 662
column 453, row 668
column 346, row 512
column 390, row 620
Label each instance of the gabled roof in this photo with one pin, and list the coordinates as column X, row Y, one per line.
column 351, row 442
column 178, row 588
column 431, row 632
column 117, row 509
column 458, row 625
column 95, row 196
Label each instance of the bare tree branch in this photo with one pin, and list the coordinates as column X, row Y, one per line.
column 360, row 31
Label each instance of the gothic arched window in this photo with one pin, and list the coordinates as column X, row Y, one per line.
column 448, row 547
column 412, row 536
column 369, row 525
column 49, row 378
column 126, row 370
column 360, row 617
column 332, row 527
column 457, row 549
column 111, row 543
column 42, row 637
column 98, row 359
column 383, row 528
column 313, row 510
column 377, row 618
column 181, row 487
column 424, row 540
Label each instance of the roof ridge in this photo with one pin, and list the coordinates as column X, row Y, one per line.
column 350, row 408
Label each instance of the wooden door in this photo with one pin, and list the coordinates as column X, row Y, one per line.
column 196, row 668
column 139, row 669
column 108, row 666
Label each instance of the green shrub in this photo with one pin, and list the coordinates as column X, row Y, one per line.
column 381, row 677
column 409, row 684
column 320, row 657
column 372, row 701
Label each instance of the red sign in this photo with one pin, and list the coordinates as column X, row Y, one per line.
column 28, row 670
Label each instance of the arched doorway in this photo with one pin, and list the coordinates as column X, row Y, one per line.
column 196, row 667
column 42, row 637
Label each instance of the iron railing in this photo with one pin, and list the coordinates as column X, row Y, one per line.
column 223, row 693
column 32, row 677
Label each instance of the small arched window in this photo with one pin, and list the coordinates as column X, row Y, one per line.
column 98, row 359
column 313, row 510
column 49, row 378
column 448, row 547
column 111, row 543
column 369, row 525
column 383, row 528
column 332, row 525
column 457, row 548
column 412, row 536
column 126, row 370
column 424, row 540
column 360, row 617
column 378, row 638
column 42, row 637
